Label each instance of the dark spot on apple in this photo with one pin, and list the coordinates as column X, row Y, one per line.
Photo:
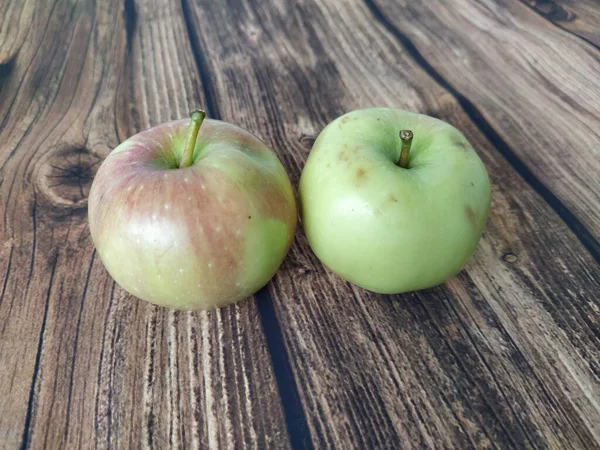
column 344, row 120
column 249, row 217
column 328, row 165
column 471, row 215
column 472, row 184
column 361, row 175
column 393, row 198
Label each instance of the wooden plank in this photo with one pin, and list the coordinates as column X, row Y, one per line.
column 83, row 364
column 580, row 17
column 15, row 17
column 510, row 68
column 506, row 354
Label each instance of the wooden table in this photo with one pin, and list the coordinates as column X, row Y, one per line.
column 506, row 355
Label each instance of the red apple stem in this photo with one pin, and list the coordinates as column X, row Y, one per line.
column 196, row 118
column 406, row 136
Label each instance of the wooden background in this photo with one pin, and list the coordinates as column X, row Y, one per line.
column 506, row 355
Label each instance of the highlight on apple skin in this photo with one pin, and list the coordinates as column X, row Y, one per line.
column 192, row 214
column 393, row 201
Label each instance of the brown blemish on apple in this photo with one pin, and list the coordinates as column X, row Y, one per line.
column 387, row 203
column 471, row 215
column 343, row 121
column 472, row 184
column 361, row 175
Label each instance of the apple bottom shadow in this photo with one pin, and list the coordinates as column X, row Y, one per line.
column 436, row 307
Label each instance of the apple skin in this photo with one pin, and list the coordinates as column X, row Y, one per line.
column 383, row 227
column 198, row 237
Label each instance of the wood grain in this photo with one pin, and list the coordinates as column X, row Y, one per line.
column 580, row 17
column 15, row 18
column 83, row 364
column 504, row 355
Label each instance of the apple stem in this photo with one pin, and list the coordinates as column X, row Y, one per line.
column 406, row 136
column 196, row 118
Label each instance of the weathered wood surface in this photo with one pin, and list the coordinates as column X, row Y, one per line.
column 580, row 17
column 505, row 355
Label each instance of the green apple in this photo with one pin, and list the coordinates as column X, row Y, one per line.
column 393, row 201
column 192, row 216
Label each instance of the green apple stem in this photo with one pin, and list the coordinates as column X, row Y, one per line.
column 406, row 136
column 196, row 119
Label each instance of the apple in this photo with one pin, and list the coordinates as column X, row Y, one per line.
column 393, row 201
column 192, row 216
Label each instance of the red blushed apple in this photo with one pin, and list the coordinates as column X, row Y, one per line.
column 192, row 216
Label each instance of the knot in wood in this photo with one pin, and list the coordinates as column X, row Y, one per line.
column 66, row 177
column 307, row 140
column 553, row 11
